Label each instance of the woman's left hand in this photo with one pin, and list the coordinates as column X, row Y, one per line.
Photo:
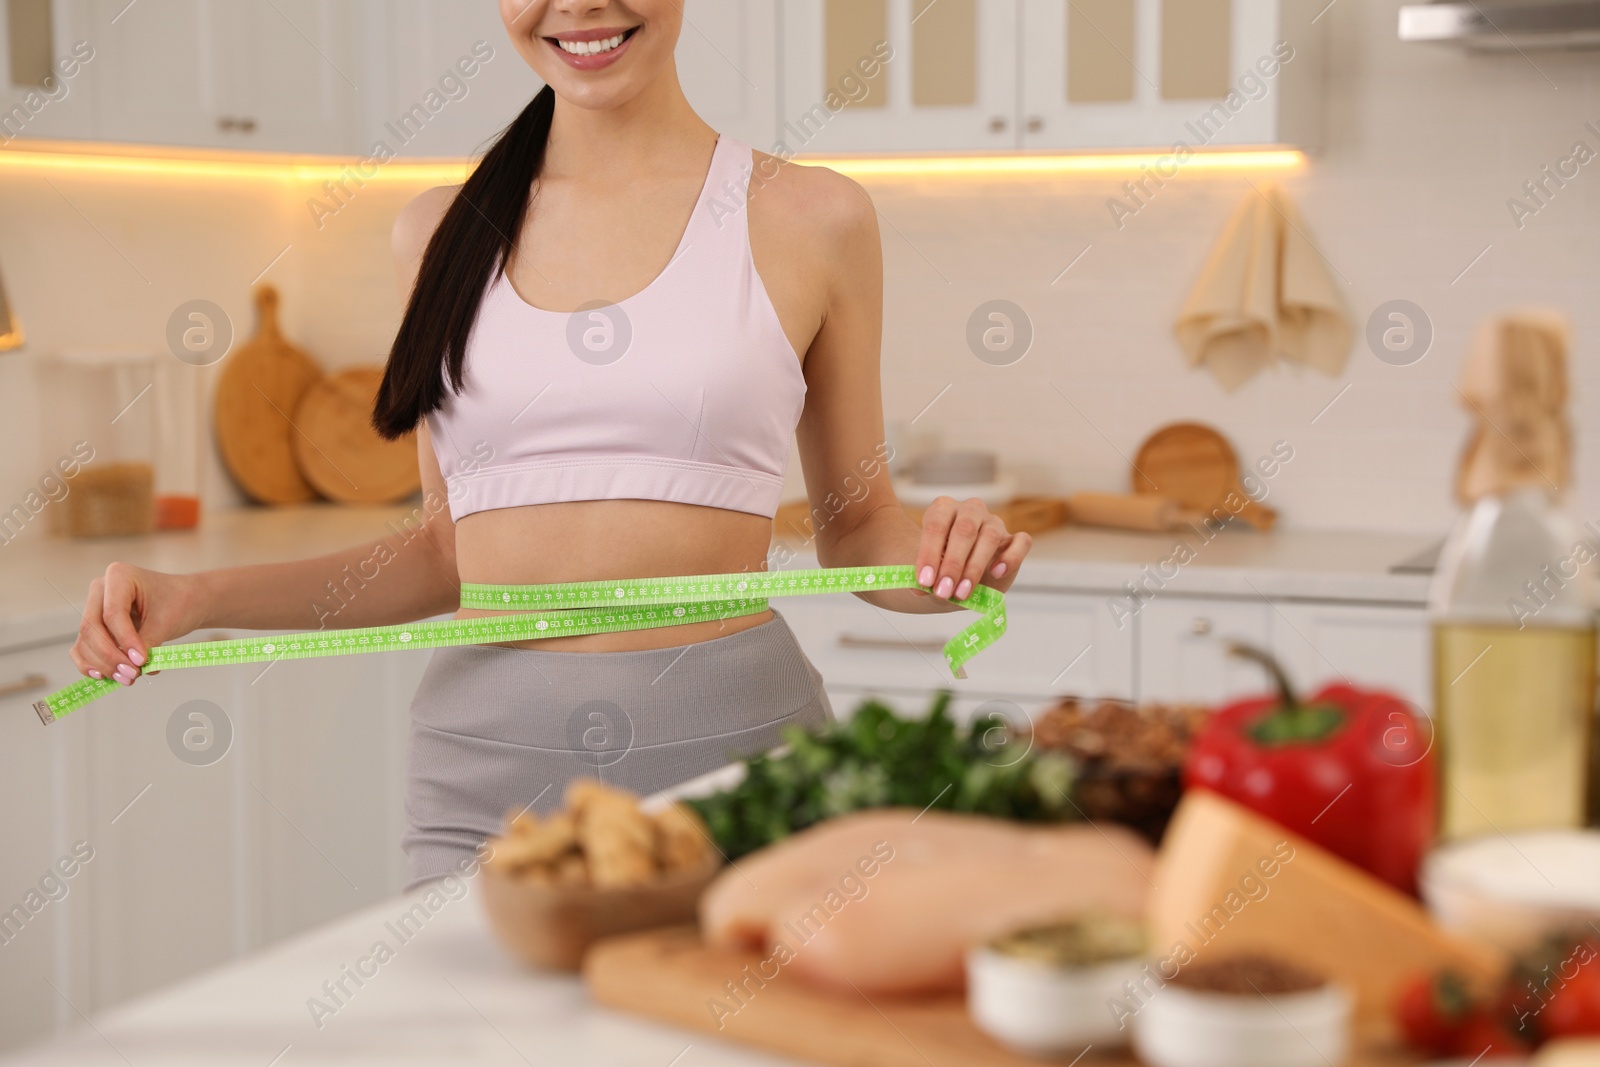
column 965, row 545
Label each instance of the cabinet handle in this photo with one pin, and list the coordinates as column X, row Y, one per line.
column 890, row 644
column 1201, row 626
column 998, row 124
column 228, row 124
column 26, row 684
column 1035, row 123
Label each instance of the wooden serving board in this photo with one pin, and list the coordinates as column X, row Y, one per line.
column 340, row 453
column 258, row 391
column 670, row 976
column 1196, row 466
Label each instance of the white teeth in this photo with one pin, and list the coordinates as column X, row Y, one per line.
column 590, row 48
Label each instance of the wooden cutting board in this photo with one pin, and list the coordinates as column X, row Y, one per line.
column 260, row 387
column 340, row 453
column 1194, row 464
column 668, row 975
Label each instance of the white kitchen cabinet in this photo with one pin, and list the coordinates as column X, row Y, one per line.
column 46, row 57
column 1371, row 646
column 45, row 943
column 1055, row 644
column 1182, row 654
column 945, row 75
column 168, row 891
column 326, row 787
column 967, row 75
column 728, row 64
column 292, row 821
column 1154, row 73
column 298, row 823
column 282, row 76
column 444, row 77
column 1182, row 648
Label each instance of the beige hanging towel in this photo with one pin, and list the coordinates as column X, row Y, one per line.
column 1265, row 293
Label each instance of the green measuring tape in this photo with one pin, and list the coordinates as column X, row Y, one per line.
column 565, row 610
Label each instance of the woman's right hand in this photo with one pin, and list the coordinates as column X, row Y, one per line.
column 130, row 610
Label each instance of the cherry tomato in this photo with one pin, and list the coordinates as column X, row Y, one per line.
column 1483, row 1037
column 1574, row 1007
column 1432, row 1011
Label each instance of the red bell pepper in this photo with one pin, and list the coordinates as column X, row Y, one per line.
column 1349, row 769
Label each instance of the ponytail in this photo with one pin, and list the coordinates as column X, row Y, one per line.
column 474, row 239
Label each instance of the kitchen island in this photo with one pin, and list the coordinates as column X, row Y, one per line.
column 446, row 993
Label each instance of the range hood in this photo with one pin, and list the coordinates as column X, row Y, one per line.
column 1505, row 24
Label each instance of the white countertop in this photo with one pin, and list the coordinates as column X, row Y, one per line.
column 43, row 580
column 449, row 994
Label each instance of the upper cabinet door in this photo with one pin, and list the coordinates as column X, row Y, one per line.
column 279, row 76
column 45, row 57
column 291, row 75
column 1154, row 73
column 896, row 75
column 728, row 65
column 445, row 79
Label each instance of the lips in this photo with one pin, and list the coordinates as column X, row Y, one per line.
column 592, row 49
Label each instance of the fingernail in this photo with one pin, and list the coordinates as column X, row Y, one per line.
column 963, row 589
column 136, row 657
column 124, row 674
column 925, row 576
column 945, row 585
column 96, row 675
column 999, row 569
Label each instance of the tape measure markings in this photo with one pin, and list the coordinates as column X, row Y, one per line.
column 569, row 609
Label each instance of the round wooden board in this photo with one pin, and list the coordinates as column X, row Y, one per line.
column 259, row 388
column 1194, row 465
column 1189, row 462
column 338, row 450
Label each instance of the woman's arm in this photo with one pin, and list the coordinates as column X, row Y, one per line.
column 408, row 575
column 857, row 521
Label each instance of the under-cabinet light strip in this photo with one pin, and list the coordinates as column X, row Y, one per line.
column 262, row 167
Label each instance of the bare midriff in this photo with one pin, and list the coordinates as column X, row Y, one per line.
column 595, row 540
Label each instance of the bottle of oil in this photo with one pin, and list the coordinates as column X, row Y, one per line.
column 1512, row 604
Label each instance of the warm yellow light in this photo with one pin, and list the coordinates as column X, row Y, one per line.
column 59, row 158
column 236, row 165
column 1165, row 163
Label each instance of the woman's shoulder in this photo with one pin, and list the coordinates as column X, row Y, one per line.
column 414, row 226
column 811, row 203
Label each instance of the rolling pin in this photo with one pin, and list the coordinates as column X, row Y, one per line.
column 1129, row 511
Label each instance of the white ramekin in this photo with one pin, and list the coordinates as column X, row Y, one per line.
column 1041, row 1009
column 1178, row 1027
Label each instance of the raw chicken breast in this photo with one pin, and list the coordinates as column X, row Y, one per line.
column 889, row 901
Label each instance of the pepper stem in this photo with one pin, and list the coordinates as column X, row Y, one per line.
column 1286, row 693
column 1291, row 722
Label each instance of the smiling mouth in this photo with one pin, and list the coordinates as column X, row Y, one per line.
column 593, row 48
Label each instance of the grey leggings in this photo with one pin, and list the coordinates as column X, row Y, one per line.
column 494, row 728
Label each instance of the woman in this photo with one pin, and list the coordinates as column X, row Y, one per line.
column 612, row 334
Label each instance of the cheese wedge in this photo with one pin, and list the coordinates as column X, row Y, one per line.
column 1228, row 880
column 1573, row 1052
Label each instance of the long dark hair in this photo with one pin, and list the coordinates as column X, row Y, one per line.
column 474, row 238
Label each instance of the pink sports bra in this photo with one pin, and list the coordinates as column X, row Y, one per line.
column 687, row 391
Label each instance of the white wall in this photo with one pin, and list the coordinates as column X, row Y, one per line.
column 1425, row 144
